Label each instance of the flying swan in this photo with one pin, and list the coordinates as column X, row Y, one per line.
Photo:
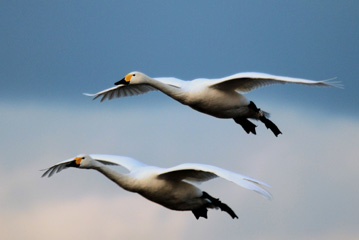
column 217, row 97
column 169, row 187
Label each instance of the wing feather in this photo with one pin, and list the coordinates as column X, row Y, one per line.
column 245, row 82
column 202, row 172
column 58, row 167
column 121, row 91
column 191, row 175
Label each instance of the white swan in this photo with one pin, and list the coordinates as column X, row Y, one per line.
column 216, row 97
column 169, row 187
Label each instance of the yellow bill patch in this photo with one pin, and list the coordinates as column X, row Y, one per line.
column 128, row 77
column 78, row 160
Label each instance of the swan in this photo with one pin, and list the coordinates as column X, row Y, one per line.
column 169, row 187
column 216, row 97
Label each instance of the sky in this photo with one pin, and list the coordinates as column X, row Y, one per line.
column 53, row 51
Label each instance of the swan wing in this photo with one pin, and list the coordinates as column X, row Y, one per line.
column 195, row 172
column 132, row 89
column 245, row 82
column 121, row 91
column 58, row 167
column 126, row 162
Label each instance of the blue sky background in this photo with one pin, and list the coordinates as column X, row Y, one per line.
column 53, row 51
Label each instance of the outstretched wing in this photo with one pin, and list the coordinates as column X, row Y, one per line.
column 245, row 82
column 201, row 172
column 126, row 162
column 132, row 89
column 58, row 167
column 122, row 91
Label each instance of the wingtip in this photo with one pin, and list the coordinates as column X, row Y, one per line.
column 259, row 189
column 93, row 95
column 266, row 194
column 269, row 196
column 45, row 173
column 330, row 83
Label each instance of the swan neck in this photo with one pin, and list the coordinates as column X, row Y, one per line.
column 122, row 180
column 172, row 91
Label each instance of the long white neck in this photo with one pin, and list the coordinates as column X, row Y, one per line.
column 122, row 180
column 168, row 89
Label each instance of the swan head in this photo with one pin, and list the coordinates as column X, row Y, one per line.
column 132, row 77
column 84, row 161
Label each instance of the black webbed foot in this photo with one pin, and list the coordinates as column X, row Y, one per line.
column 217, row 203
column 262, row 117
column 269, row 124
column 200, row 212
column 247, row 125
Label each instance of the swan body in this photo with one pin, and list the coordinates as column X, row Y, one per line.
column 216, row 97
column 172, row 188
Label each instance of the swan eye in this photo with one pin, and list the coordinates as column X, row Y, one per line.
column 83, row 157
column 133, row 74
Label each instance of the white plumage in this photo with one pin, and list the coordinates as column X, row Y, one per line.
column 217, row 97
column 169, row 187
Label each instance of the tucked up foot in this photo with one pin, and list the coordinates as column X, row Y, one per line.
column 269, row 124
column 262, row 117
column 200, row 212
column 216, row 203
column 247, row 125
